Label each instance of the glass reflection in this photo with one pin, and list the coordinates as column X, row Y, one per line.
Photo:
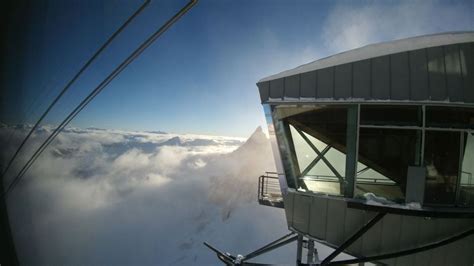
column 317, row 137
column 442, row 166
column 384, row 157
column 466, row 196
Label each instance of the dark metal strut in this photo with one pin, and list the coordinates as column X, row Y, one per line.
column 353, row 238
column 405, row 252
column 229, row 259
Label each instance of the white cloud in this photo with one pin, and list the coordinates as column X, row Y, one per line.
column 134, row 198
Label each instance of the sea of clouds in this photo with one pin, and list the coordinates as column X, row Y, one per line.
column 108, row 197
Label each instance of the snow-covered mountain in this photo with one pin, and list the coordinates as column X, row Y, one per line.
column 136, row 198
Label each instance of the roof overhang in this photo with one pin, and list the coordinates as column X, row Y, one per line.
column 431, row 68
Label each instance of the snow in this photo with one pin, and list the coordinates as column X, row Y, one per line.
column 374, row 200
column 380, row 49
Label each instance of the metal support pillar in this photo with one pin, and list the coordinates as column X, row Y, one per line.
column 229, row 259
column 310, row 251
column 299, row 249
column 352, row 136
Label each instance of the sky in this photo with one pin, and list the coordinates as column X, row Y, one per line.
column 200, row 76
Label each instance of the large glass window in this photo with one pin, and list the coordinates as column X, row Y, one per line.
column 449, row 117
column 442, row 166
column 390, row 139
column 318, row 137
column 384, row 157
column 318, row 145
column 395, row 115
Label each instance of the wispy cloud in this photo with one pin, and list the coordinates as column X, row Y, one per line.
column 349, row 27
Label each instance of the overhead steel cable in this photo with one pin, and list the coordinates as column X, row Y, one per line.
column 99, row 88
column 69, row 84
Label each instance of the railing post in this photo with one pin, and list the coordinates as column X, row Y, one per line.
column 266, row 185
column 258, row 188
column 299, row 249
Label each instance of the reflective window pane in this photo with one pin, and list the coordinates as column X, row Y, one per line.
column 442, row 166
column 318, row 136
column 466, row 196
column 370, row 181
column 394, row 115
column 384, row 158
column 449, row 117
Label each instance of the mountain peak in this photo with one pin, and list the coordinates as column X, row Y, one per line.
column 258, row 138
column 258, row 134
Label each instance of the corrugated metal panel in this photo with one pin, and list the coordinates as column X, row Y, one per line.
column 425, row 231
column 301, row 210
column 371, row 239
column 452, row 250
column 438, row 257
column 453, row 73
column 408, row 238
column 437, row 72
column 330, row 219
column 468, row 245
column 443, row 73
column 336, row 217
column 325, row 81
column 444, row 229
column 390, row 235
column 277, row 88
column 354, row 221
column 308, row 85
column 343, row 81
column 377, row 50
column 292, row 86
column 288, row 200
column 467, row 68
column 264, row 90
column 419, row 75
column 318, row 225
column 381, row 78
column 361, row 81
column 399, row 77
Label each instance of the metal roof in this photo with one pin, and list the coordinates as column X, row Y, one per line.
column 425, row 68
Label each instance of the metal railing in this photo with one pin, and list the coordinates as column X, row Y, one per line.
column 361, row 180
column 269, row 192
column 469, row 182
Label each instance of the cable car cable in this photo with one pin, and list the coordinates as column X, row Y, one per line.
column 98, row 89
column 69, row 84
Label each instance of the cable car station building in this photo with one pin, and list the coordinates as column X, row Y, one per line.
column 375, row 151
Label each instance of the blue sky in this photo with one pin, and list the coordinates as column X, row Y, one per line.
column 200, row 76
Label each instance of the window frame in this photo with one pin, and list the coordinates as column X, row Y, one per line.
column 352, row 154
